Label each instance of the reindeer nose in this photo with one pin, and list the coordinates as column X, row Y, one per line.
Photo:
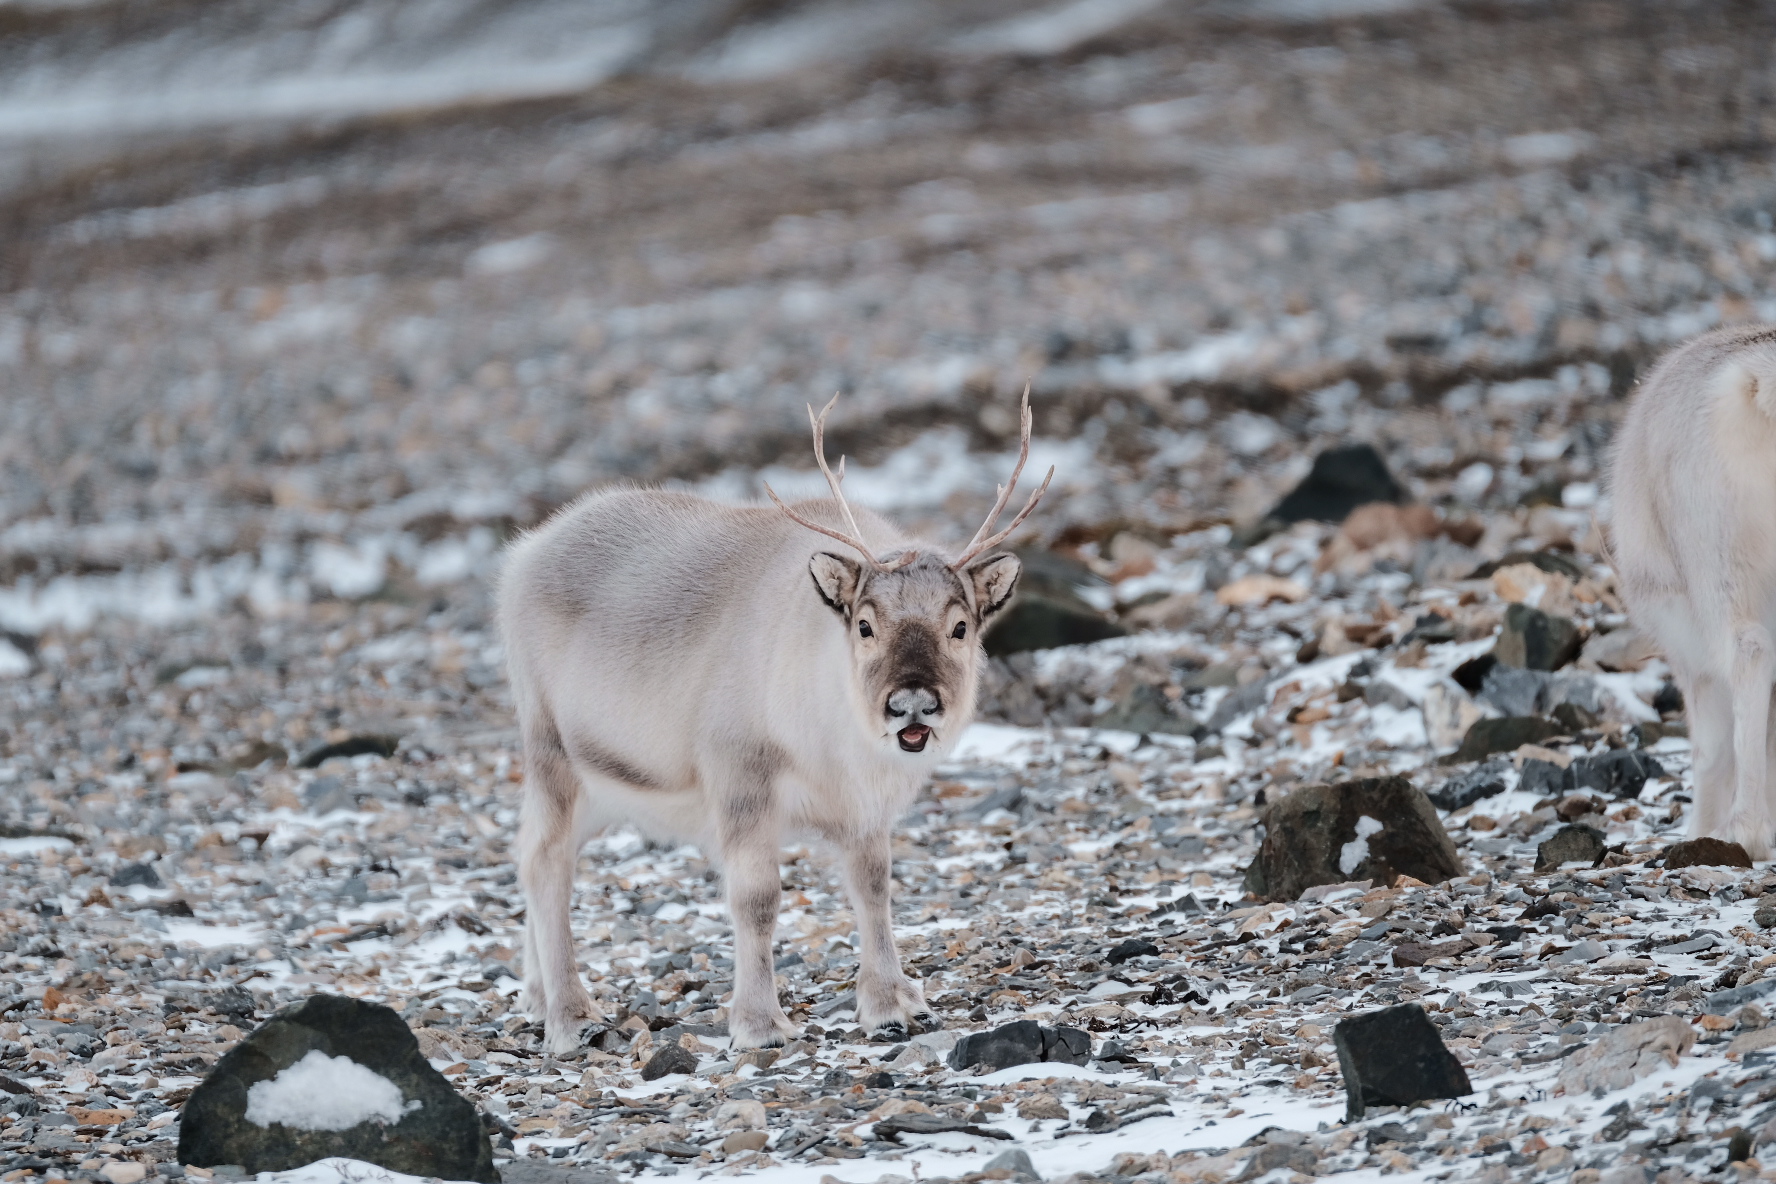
column 914, row 701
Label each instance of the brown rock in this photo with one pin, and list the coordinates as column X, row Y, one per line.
column 1706, row 852
column 1376, row 828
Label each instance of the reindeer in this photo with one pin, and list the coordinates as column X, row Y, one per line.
column 692, row 668
column 1694, row 524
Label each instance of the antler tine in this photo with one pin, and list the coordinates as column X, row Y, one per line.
column 980, row 542
column 853, row 540
column 833, row 483
column 1005, row 491
column 989, row 543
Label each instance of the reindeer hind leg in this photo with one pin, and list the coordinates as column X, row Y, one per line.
column 550, row 836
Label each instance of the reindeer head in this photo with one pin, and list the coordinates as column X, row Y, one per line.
column 914, row 623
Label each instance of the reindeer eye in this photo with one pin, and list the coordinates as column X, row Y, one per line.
column 864, row 630
column 960, row 631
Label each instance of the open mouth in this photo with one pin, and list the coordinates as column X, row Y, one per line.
column 913, row 737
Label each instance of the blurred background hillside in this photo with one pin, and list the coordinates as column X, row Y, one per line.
column 316, row 300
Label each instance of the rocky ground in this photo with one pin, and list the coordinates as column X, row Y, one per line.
column 276, row 394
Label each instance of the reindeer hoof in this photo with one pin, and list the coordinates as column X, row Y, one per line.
column 889, row 1032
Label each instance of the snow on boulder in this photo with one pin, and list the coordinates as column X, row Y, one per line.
column 329, row 1077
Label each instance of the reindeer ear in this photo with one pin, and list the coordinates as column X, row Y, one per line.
column 835, row 578
column 995, row 579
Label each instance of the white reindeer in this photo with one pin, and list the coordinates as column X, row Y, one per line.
column 1694, row 522
column 693, row 669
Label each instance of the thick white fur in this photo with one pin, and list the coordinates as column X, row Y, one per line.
column 1693, row 480
column 691, row 639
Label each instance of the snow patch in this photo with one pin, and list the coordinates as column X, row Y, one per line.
column 1353, row 853
column 323, row 1093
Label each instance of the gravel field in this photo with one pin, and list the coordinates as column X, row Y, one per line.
column 282, row 379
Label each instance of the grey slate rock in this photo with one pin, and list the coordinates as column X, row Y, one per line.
column 1016, row 1161
column 1485, row 781
column 1622, row 772
column 131, row 875
column 1570, row 844
column 1305, row 835
column 1145, row 709
column 1535, row 640
column 672, row 1058
column 442, row 1137
column 535, row 1171
column 1341, row 480
column 1395, row 1057
column 1544, row 778
column 1024, row 1042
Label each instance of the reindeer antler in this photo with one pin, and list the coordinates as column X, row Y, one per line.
column 981, row 541
column 853, row 540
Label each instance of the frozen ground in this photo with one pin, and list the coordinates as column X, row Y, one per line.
column 280, row 380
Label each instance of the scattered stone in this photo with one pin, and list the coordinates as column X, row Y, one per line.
column 1464, row 789
column 1706, row 852
column 383, row 746
column 1488, row 736
column 1395, row 1057
column 671, row 1058
column 896, row 1125
column 133, row 875
column 1622, row 772
column 1625, row 1055
column 1535, row 640
column 1024, row 1042
column 537, row 1171
column 1367, row 829
column 1016, row 1161
column 1134, row 947
column 124, row 1171
column 1145, row 709
column 1341, row 480
column 1570, row 844
column 1271, row 1156
column 440, row 1136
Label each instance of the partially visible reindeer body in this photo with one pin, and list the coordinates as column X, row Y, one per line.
column 706, row 673
column 1693, row 489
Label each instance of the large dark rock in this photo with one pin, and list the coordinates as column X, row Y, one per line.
column 442, row 1136
column 1488, row 736
column 1048, row 611
column 1535, row 640
column 1312, row 836
column 1394, row 1057
column 1022, row 1043
column 1465, row 789
column 1570, row 844
column 1706, row 852
column 1341, row 480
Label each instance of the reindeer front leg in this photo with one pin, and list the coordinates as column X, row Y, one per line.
column 888, row 1003
column 750, row 849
